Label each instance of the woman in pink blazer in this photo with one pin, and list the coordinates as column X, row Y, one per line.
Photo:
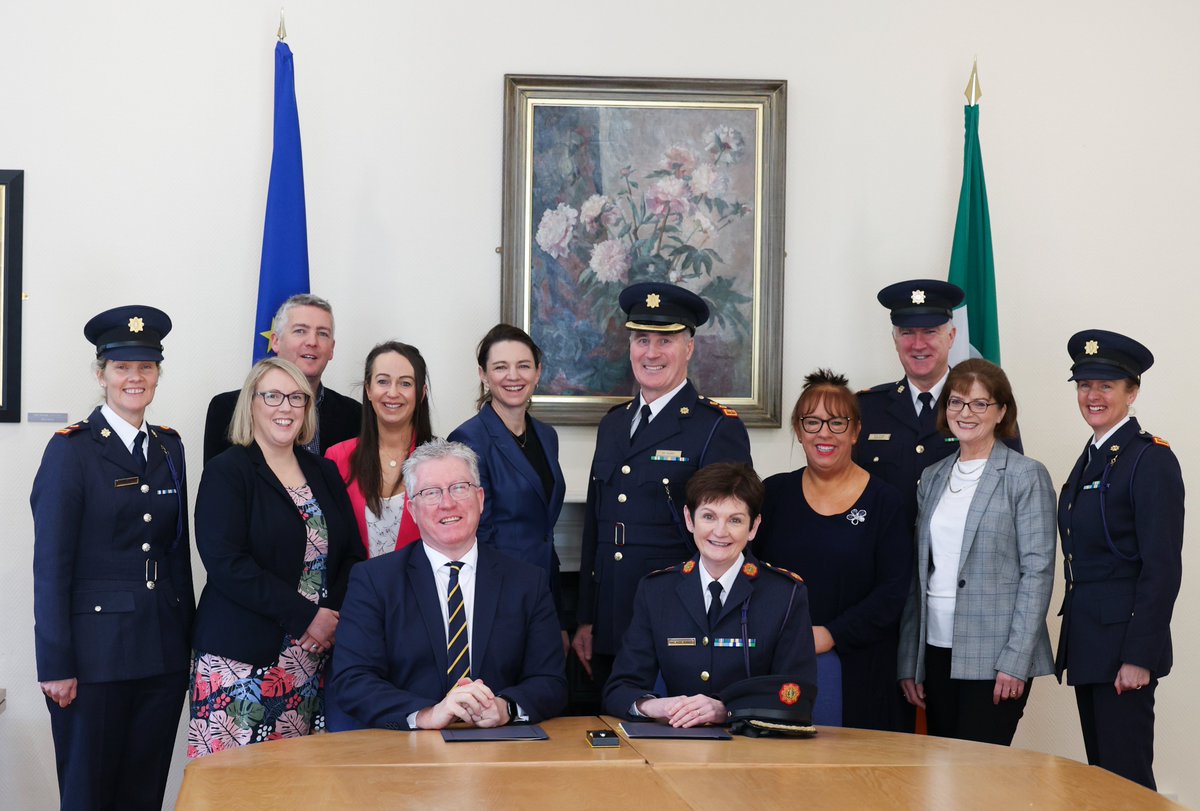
column 395, row 420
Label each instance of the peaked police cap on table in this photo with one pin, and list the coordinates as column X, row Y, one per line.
column 133, row 332
column 659, row 307
column 1098, row 354
column 921, row 302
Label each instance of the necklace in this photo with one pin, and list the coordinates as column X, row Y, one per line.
column 965, row 475
column 521, row 440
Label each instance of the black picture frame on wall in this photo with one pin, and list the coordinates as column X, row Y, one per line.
column 12, row 200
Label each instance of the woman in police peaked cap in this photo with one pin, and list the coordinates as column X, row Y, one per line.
column 1120, row 520
column 112, row 572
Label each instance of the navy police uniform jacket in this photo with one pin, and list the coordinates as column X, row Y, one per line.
column 764, row 629
column 892, row 445
column 633, row 524
column 1121, row 586
column 111, row 559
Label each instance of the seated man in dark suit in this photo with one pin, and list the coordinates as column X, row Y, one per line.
column 446, row 630
column 302, row 333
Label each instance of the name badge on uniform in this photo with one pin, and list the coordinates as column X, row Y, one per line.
column 681, row 642
column 668, row 456
column 879, row 436
column 735, row 643
column 130, row 482
column 1093, row 486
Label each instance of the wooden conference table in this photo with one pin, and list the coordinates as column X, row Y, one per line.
column 838, row 769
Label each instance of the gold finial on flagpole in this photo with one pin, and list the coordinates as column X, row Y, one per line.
column 973, row 91
column 282, row 32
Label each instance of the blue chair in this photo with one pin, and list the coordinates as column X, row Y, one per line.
column 827, row 711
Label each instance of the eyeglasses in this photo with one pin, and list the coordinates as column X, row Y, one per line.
column 977, row 406
column 459, row 491
column 275, row 398
column 837, row 425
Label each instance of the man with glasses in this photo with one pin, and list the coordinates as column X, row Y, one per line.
column 899, row 437
column 303, row 334
column 646, row 451
column 446, row 630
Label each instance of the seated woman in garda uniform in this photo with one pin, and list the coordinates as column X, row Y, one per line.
column 714, row 620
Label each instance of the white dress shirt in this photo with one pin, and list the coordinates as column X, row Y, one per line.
column 656, row 407
column 124, row 431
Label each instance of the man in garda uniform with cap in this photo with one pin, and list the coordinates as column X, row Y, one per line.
column 899, row 436
column 646, row 451
column 112, row 598
column 302, row 333
column 1120, row 519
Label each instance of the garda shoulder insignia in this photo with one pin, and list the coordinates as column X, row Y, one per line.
column 724, row 409
column 689, row 567
column 882, row 387
column 625, row 404
column 674, row 568
column 750, row 570
column 1160, row 441
column 166, row 429
column 70, row 429
column 788, row 574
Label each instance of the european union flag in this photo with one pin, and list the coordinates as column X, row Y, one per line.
column 284, row 268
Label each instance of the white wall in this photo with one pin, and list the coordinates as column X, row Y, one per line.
column 144, row 130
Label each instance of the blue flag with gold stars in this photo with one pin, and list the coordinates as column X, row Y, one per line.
column 284, row 268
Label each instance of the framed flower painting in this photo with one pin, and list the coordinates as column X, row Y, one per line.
column 608, row 182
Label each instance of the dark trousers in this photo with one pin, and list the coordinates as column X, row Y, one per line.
column 602, row 665
column 113, row 743
column 963, row 708
column 1118, row 730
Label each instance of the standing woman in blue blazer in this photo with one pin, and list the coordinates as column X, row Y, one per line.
column 518, row 455
column 277, row 535
column 1120, row 518
column 112, row 598
column 973, row 633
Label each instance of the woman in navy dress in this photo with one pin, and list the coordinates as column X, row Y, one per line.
column 112, row 600
column 849, row 536
column 518, row 455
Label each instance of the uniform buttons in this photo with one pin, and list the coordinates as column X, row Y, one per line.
column 150, row 585
column 617, row 556
column 96, row 609
column 666, row 481
column 920, row 449
column 625, row 469
column 704, row 641
column 703, row 675
column 1070, row 505
column 876, row 459
column 147, row 518
column 145, row 547
column 145, row 488
column 1068, row 530
column 1070, row 556
column 962, row 583
column 622, row 498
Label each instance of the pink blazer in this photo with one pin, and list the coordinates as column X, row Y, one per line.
column 339, row 454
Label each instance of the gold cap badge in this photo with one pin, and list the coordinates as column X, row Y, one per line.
column 1091, row 347
column 653, row 300
column 918, row 297
column 136, row 324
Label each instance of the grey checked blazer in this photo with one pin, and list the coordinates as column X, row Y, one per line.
column 1005, row 572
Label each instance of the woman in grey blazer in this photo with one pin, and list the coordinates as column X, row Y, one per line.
column 973, row 633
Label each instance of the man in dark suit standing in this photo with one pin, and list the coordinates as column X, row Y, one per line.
column 446, row 630
column 899, row 436
column 646, row 451
column 303, row 334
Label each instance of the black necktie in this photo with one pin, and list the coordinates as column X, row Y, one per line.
column 714, row 607
column 925, row 417
column 642, row 423
column 456, row 647
column 139, row 458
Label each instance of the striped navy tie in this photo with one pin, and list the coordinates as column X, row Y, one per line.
column 457, row 653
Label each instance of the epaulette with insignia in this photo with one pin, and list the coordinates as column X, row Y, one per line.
column 625, row 404
column 880, row 388
column 786, row 573
column 674, row 568
column 166, row 429
column 1160, row 441
column 724, row 409
column 70, row 429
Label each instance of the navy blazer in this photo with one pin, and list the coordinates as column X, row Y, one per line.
column 670, row 634
column 1119, row 599
column 338, row 418
column 517, row 517
column 634, row 519
column 112, row 574
column 252, row 541
column 390, row 658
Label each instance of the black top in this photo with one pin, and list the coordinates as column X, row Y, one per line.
column 857, row 566
column 532, row 448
